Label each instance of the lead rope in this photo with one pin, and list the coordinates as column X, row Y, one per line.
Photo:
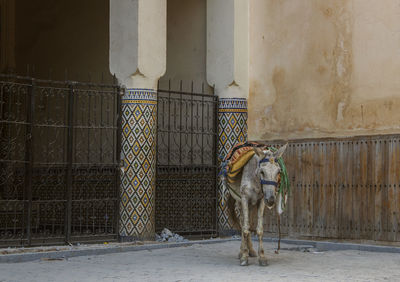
column 279, row 235
column 279, row 224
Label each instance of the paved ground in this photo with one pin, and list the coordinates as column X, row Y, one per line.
column 216, row 262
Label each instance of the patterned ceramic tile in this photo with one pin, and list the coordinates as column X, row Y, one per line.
column 232, row 129
column 139, row 108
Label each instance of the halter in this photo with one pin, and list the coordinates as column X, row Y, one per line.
column 267, row 182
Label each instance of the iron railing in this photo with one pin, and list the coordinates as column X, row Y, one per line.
column 59, row 161
column 186, row 162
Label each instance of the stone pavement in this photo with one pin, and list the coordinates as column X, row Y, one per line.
column 212, row 262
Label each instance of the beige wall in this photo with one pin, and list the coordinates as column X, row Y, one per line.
column 68, row 34
column 324, row 68
column 186, row 45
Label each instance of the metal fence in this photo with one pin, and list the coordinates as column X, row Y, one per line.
column 59, row 159
column 186, row 162
column 345, row 188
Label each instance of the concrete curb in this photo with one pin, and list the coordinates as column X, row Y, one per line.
column 337, row 246
column 54, row 255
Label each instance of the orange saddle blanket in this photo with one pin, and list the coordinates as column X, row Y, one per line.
column 237, row 158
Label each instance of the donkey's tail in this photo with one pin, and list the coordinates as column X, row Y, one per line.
column 232, row 215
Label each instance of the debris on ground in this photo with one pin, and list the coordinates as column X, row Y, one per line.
column 52, row 259
column 167, row 236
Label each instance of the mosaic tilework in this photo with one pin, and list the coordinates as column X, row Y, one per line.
column 232, row 129
column 139, row 112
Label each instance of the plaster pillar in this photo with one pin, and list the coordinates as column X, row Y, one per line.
column 228, row 71
column 138, row 59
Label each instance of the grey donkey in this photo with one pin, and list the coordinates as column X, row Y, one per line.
column 258, row 188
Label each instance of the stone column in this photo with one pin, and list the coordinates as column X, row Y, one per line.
column 228, row 71
column 139, row 116
column 138, row 58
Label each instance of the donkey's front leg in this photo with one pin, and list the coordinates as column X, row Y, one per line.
column 262, row 260
column 244, row 248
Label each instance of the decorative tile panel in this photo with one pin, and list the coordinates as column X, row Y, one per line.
column 139, row 108
column 232, row 129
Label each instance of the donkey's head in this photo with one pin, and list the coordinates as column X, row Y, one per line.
column 269, row 173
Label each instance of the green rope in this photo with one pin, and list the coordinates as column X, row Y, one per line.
column 285, row 184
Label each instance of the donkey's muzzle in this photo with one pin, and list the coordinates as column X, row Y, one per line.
column 270, row 201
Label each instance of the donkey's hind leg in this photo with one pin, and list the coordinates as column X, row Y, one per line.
column 244, row 251
column 239, row 206
column 252, row 252
column 262, row 260
column 244, row 248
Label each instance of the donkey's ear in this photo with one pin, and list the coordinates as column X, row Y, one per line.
column 280, row 152
column 259, row 152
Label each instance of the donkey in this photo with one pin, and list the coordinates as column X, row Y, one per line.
column 259, row 186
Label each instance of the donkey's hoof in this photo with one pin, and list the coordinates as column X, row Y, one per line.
column 262, row 261
column 244, row 261
column 252, row 253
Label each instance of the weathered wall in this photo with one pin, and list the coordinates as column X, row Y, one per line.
column 324, row 68
column 61, row 35
column 186, row 45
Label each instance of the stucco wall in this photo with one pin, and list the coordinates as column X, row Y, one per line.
column 186, row 45
column 324, row 68
column 61, row 35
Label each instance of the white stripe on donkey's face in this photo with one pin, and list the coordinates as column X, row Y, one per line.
column 268, row 171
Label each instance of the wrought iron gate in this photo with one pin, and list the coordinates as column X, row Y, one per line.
column 186, row 162
column 59, row 161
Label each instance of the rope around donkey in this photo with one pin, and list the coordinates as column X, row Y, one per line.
column 285, row 183
column 283, row 187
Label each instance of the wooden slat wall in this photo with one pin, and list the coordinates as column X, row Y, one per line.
column 342, row 188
